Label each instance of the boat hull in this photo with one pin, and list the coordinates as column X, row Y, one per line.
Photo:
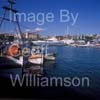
column 49, row 58
column 37, row 61
column 6, row 63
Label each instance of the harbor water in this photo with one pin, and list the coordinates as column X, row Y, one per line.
column 70, row 62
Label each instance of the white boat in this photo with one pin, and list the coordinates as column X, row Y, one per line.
column 88, row 44
column 39, row 42
column 36, row 59
column 36, row 55
column 67, row 41
column 50, row 41
column 49, row 56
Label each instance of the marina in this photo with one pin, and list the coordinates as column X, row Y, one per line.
column 37, row 64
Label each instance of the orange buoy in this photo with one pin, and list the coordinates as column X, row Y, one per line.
column 13, row 50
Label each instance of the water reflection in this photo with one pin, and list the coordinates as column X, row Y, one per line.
column 34, row 69
column 49, row 63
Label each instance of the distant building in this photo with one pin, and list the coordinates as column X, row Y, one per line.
column 60, row 37
column 7, row 36
column 31, row 36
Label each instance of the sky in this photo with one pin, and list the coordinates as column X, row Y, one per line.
column 86, row 12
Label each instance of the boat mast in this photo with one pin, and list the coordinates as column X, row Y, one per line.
column 46, row 53
column 12, row 12
column 67, row 32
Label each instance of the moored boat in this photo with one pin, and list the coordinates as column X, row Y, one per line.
column 49, row 56
column 13, row 54
column 36, row 59
column 36, row 56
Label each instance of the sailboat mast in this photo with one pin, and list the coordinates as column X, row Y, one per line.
column 67, row 31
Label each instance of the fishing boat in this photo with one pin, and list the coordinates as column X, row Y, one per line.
column 9, row 58
column 13, row 54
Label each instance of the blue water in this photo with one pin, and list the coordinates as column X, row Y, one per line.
column 78, row 62
column 73, row 62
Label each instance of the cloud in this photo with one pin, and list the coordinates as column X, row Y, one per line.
column 28, row 30
column 35, row 30
column 39, row 29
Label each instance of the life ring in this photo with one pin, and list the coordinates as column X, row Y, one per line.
column 13, row 50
